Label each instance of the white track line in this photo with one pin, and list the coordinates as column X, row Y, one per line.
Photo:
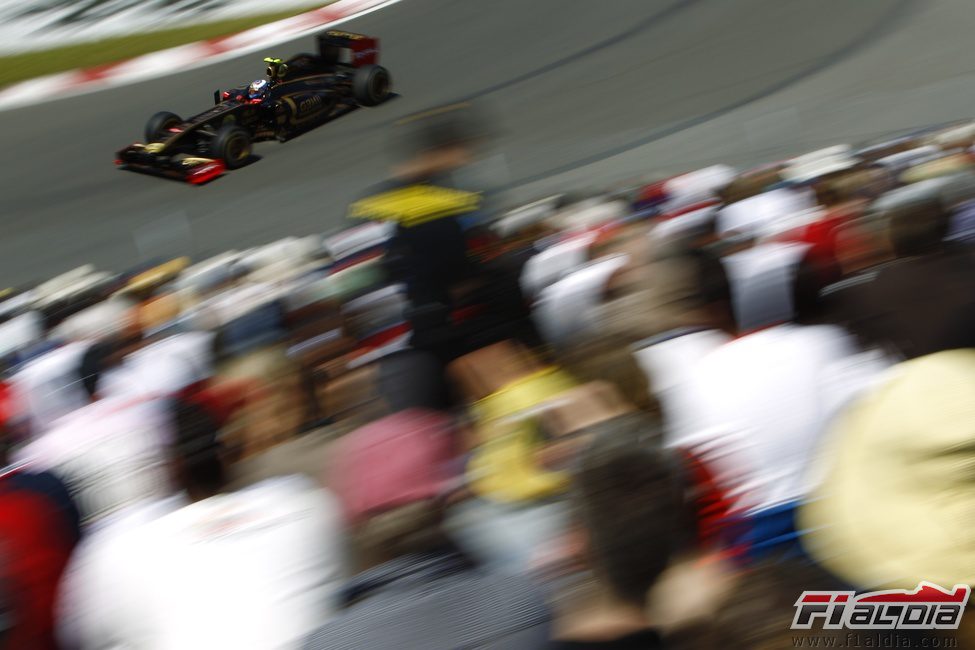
column 184, row 57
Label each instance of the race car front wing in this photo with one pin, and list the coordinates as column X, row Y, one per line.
column 189, row 169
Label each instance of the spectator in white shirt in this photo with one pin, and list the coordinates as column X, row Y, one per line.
column 111, row 452
column 162, row 368
column 49, row 387
column 703, row 322
column 255, row 568
column 754, row 408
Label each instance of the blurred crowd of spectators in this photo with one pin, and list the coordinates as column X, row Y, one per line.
column 640, row 419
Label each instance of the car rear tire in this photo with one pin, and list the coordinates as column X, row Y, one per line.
column 232, row 145
column 371, row 85
column 159, row 123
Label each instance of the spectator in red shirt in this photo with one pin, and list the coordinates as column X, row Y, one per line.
column 39, row 527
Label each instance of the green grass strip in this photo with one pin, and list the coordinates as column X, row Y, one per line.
column 19, row 67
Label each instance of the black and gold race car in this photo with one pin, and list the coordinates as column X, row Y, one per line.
column 301, row 93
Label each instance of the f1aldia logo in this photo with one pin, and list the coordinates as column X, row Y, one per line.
column 929, row 607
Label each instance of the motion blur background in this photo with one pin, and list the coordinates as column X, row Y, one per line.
column 699, row 338
column 599, row 94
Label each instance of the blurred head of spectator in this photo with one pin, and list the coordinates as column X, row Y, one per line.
column 198, row 463
column 629, row 512
column 694, row 283
column 895, row 467
column 856, row 184
column 438, row 140
column 697, row 229
column 680, row 286
column 416, row 589
column 610, row 359
column 101, row 357
column 921, row 302
column 270, row 399
column 633, row 242
column 711, row 305
column 861, row 244
column 569, row 421
column 813, row 274
column 835, row 174
column 918, row 226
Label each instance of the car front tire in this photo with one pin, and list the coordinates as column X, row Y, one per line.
column 159, row 124
column 232, row 144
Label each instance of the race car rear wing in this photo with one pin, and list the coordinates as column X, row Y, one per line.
column 347, row 48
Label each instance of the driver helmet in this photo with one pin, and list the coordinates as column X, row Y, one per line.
column 257, row 88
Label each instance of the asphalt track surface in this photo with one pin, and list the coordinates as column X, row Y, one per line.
column 584, row 94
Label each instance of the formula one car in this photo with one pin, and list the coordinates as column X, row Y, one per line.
column 301, row 93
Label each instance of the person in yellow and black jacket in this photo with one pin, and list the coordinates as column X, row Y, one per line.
column 433, row 218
